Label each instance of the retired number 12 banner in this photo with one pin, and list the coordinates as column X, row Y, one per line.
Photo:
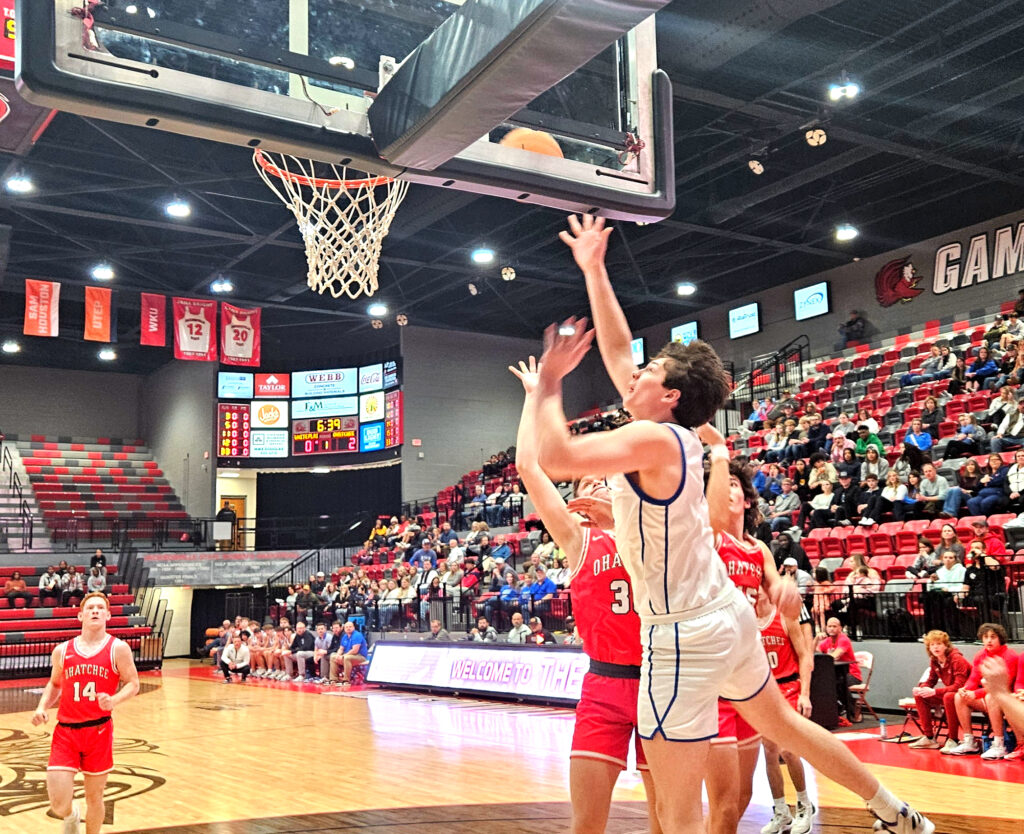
column 195, row 329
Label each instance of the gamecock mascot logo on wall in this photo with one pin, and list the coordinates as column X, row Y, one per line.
column 897, row 282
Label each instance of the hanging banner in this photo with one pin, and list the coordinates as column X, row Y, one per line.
column 99, row 325
column 195, row 329
column 42, row 301
column 153, row 324
column 239, row 335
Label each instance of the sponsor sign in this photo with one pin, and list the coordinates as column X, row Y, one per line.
column 371, row 437
column 527, row 671
column 7, row 35
column 233, row 386
column 273, row 385
column 199, row 569
column 269, row 414
column 685, row 332
column 325, row 407
column 393, row 428
column 371, row 407
column 268, row 444
column 743, row 321
column 371, row 377
column 390, row 373
column 332, row 382
column 636, row 348
column 233, row 434
column 810, row 301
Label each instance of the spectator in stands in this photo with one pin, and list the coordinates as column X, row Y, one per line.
column 967, row 486
column 425, row 555
column 72, row 587
column 821, row 508
column 927, row 561
column 1018, row 305
column 985, row 584
column 1005, row 366
column 351, row 653
column 842, row 426
column 1014, row 331
column 1010, row 433
column 98, row 560
column 786, row 548
column 822, row 596
column 944, row 586
column 917, row 436
column 541, row 591
column 15, row 588
column 948, row 671
column 949, row 540
column 839, row 646
column 493, row 505
column 781, row 515
column 483, row 632
column 967, row 440
column 992, row 494
column 538, row 634
column 1015, row 483
column 473, row 509
column 791, row 568
column 874, row 464
column 910, row 460
column 892, row 496
column 500, row 549
column 447, row 535
column 847, row 494
column 97, row 581
column 758, row 414
column 545, row 548
column 852, row 330
column 849, row 465
column 869, row 492
column 50, row 586
column 1003, row 404
column 434, row 593
column 821, row 472
column 972, row 697
column 840, row 445
column 476, row 530
column 787, row 400
column 866, row 438
column 796, row 441
column 958, row 377
column 512, row 506
column 981, row 368
column 777, row 440
column 985, row 534
column 772, row 485
column 927, row 371
column 817, row 431
column 438, row 634
column 911, row 507
column 306, row 605
column 864, row 418
column 931, row 415
column 520, row 632
column 931, row 491
column 800, row 473
column 388, row 603
column 300, row 650
column 235, row 660
column 996, row 330
column 559, row 573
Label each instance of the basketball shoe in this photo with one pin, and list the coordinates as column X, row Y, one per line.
column 908, row 821
column 781, row 822
column 803, row 819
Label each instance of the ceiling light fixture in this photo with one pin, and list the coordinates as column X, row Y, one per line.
column 376, row 324
column 11, row 346
column 178, row 208
column 472, row 289
column 131, row 8
column 401, row 319
column 844, row 88
column 108, row 354
column 482, row 256
column 756, row 166
column 342, row 61
column 103, row 272
column 508, row 273
column 222, row 285
column 686, row 288
column 816, row 137
column 377, row 309
column 846, row 232
column 19, row 183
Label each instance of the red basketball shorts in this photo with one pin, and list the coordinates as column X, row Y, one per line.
column 732, row 729
column 791, row 692
column 86, row 749
column 606, row 721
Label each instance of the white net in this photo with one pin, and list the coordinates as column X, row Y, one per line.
column 343, row 221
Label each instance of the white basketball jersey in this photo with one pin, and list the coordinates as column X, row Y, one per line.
column 195, row 333
column 668, row 546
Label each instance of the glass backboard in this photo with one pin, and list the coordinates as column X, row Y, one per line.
column 298, row 76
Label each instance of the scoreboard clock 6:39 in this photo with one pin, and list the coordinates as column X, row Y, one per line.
column 325, row 435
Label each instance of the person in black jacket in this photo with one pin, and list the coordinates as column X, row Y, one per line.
column 847, row 495
column 786, row 548
column 985, row 584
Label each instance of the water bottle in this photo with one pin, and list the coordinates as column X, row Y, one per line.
column 883, row 730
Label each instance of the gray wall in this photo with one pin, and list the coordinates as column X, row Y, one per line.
column 853, row 287
column 463, row 403
column 177, row 421
column 61, row 402
column 899, row 666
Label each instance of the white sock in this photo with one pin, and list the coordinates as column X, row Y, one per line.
column 781, row 806
column 803, row 798
column 968, row 738
column 886, row 806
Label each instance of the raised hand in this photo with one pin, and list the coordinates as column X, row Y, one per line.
column 710, row 436
column 597, row 512
column 565, row 345
column 528, row 373
column 996, row 675
column 588, row 241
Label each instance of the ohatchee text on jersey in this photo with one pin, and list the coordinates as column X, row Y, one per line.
column 781, row 657
column 744, row 562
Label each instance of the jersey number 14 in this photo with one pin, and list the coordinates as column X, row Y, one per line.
column 87, row 692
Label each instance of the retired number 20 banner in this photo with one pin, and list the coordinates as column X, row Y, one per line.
column 239, row 335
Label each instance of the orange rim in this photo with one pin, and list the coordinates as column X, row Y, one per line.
column 316, row 182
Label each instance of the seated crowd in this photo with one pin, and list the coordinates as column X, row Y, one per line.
column 59, row 585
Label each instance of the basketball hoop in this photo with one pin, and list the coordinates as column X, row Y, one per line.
column 343, row 221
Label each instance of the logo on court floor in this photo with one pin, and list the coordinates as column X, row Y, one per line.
column 23, row 758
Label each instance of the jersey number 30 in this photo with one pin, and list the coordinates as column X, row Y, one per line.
column 620, row 592
column 87, row 692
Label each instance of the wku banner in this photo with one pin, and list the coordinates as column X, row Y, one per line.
column 239, row 335
column 99, row 318
column 42, row 299
column 153, row 322
column 195, row 329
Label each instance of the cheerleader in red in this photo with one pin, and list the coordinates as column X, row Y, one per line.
column 85, row 678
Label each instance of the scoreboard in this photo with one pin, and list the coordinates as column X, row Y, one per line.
column 325, row 436
column 295, row 414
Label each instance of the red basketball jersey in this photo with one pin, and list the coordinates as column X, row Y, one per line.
column 85, row 679
column 602, row 602
column 744, row 562
column 782, row 658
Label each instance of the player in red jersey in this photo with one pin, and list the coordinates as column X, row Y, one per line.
column 791, row 659
column 86, row 673
column 602, row 603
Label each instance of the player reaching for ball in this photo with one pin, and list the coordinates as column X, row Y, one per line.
column 699, row 634
column 84, row 681
column 603, row 605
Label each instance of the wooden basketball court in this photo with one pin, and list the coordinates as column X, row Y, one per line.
column 194, row 755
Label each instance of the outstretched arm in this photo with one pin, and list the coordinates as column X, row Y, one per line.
column 805, row 659
column 588, row 241
column 717, row 489
column 51, row 692
column 564, row 529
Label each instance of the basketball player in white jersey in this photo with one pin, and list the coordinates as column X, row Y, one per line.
column 699, row 633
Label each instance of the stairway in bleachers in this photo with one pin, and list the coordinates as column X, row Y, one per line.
column 95, row 479
column 9, row 508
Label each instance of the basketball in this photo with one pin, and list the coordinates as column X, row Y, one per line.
column 535, row 141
